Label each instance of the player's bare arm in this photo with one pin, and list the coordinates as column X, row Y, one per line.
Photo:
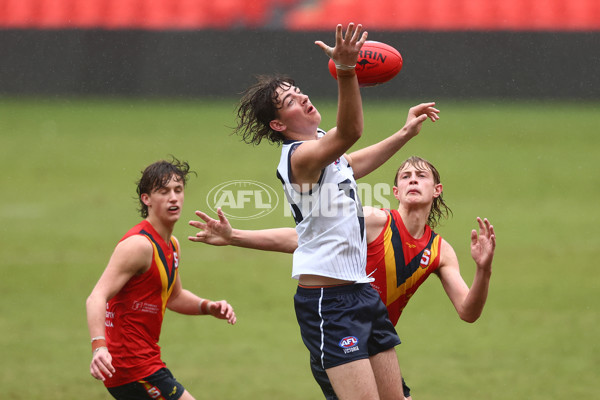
column 284, row 240
column 132, row 256
column 375, row 220
column 185, row 302
column 365, row 161
column 469, row 302
column 220, row 233
column 311, row 157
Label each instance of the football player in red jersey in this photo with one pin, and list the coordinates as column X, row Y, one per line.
column 126, row 307
column 402, row 248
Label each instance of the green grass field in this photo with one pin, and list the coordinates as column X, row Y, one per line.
column 68, row 194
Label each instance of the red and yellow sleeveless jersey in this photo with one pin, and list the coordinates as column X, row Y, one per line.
column 400, row 264
column 134, row 316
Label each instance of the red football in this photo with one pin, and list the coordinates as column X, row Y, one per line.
column 377, row 63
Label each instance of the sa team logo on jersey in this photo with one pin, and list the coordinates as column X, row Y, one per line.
column 243, row 199
column 426, row 258
column 349, row 344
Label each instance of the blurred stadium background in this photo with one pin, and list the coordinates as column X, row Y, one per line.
column 452, row 48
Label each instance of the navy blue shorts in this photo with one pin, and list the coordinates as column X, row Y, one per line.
column 159, row 385
column 344, row 323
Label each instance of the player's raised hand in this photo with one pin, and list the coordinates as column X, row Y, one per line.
column 347, row 46
column 101, row 365
column 483, row 244
column 417, row 115
column 217, row 233
column 222, row 310
column 426, row 109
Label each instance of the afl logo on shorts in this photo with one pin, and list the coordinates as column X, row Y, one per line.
column 348, row 341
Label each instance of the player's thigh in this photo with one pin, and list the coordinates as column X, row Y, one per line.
column 387, row 375
column 186, row 396
column 354, row 380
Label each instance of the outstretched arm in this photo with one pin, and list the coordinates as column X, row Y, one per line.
column 312, row 156
column 469, row 303
column 365, row 161
column 185, row 302
column 220, row 233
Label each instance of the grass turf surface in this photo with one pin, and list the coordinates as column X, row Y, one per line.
column 68, row 176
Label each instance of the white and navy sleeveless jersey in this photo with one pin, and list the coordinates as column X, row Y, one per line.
column 329, row 221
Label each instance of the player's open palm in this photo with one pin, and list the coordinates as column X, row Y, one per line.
column 483, row 244
column 347, row 46
column 217, row 233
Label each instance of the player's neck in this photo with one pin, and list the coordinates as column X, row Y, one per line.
column 300, row 136
column 415, row 219
column 164, row 229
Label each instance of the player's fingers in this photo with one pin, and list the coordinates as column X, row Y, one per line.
column 105, row 371
column 482, row 227
column 110, row 366
column 222, row 216
column 422, row 106
column 101, row 368
column 360, row 36
column 199, row 237
column 202, row 215
column 230, row 316
column 357, row 30
column 197, row 224
column 328, row 50
column 488, row 227
column 94, row 372
column 432, row 113
column 227, row 310
column 487, row 223
column 219, row 307
column 363, row 39
column 420, row 119
column 349, row 32
column 98, row 375
column 473, row 237
column 492, row 236
column 338, row 35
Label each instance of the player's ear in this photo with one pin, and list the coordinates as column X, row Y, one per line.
column 437, row 190
column 396, row 192
column 277, row 125
column 145, row 198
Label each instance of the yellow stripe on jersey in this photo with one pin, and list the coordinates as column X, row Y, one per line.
column 390, row 264
column 167, row 284
column 396, row 289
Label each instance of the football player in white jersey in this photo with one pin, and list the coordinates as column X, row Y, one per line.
column 342, row 321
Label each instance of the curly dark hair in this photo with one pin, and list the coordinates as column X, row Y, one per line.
column 439, row 208
column 258, row 106
column 158, row 175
